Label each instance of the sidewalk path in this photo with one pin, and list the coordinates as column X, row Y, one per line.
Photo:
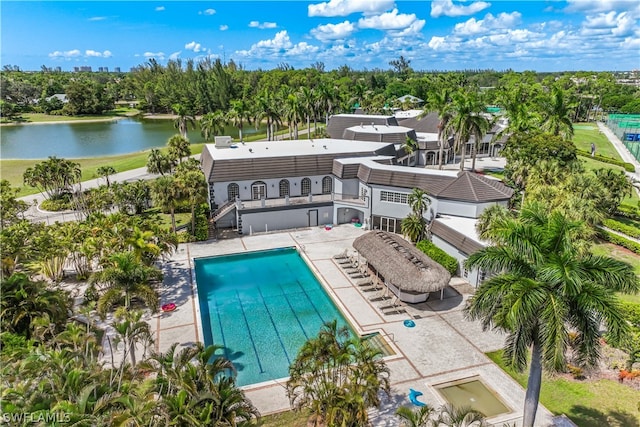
column 622, row 150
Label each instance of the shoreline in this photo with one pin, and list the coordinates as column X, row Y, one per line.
column 65, row 122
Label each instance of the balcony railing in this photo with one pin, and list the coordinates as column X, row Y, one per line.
column 301, row 200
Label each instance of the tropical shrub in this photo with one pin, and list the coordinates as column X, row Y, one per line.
column 439, row 256
column 610, row 160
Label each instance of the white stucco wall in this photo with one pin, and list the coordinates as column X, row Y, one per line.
column 472, row 275
column 273, row 187
column 261, row 221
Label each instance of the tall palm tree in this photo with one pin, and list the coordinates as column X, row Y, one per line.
column 195, row 190
column 125, row 278
column 410, row 146
column 556, row 113
column 179, row 148
column 308, row 104
column 212, row 124
column 439, row 101
column 267, row 109
column 239, row 114
column 184, row 119
column 142, row 244
column 467, row 121
column 414, row 227
column 167, row 194
column 547, row 288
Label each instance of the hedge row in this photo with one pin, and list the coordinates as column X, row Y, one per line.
column 628, row 212
column 604, row 159
column 619, row 240
column 439, row 256
column 623, row 228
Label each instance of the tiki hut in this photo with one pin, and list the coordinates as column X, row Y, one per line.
column 410, row 273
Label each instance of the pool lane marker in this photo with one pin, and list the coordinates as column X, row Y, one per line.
column 264, row 302
column 224, row 342
column 246, row 322
column 284, row 294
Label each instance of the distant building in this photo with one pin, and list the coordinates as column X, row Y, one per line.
column 83, row 69
column 116, row 69
column 103, row 69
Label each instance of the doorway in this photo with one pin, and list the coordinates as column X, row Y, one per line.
column 259, row 191
column 313, row 217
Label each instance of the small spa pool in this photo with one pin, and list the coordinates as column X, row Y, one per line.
column 472, row 392
column 261, row 307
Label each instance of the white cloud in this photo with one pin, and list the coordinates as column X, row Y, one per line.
column 388, row 21
column 207, row 12
column 97, row 18
column 618, row 24
column 347, row 7
column 175, row 55
column 262, row 25
column 159, row 8
column 94, row 53
column 224, row 27
column 596, row 6
column 277, row 48
column 67, row 54
column 196, row 47
column 157, row 55
column 333, row 31
column 412, row 30
column 473, row 26
column 447, row 8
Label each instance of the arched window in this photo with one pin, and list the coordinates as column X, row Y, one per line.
column 284, row 187
column 327, row 185
column 233, row 191
column 258, row 190
column 305, row 186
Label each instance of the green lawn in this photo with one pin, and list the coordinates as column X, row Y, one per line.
column 583, row 138
column 286, row 419
column 12, row 170
column 617, row 252
column 588, row 403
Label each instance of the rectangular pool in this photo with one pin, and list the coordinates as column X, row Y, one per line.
column 261, row 307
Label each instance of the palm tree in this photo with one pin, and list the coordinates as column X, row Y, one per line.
column 195, row 190
column 308, row 103
column 414, row 418
column 212, row 124
column 439, row 101
column 105, row 172
column 418, row 201
column 547, row 287
column 159, row 163
column 179, row 147
column 337, row 377
column 184, row 119
column 556, row 114
column 124, row 279
column 143, row 246
column 414, row 225
column 239, row 114
column 452, row 416
column 267, row 109
column 23, row 301
column 410, row 146
column 167, row 194
column 467, row 122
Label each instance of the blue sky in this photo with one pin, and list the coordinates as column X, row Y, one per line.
column 539, row 35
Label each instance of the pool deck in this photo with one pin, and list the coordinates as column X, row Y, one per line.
column 442, row 347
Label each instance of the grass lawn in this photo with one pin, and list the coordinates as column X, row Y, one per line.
column 286, row 419
column 583, row 138
column 12, row 170
column 588, row 403
column 617, row 252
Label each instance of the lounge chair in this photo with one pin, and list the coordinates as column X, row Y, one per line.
column 389, row 305
column 381, row 296
column 342, row 255
column 413, row 397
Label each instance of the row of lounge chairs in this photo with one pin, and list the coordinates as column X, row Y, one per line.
column 357, row 269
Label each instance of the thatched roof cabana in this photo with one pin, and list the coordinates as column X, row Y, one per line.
column 401, row 264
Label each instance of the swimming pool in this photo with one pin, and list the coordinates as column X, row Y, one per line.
column 261, row 307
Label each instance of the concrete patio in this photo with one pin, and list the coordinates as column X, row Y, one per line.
column 442, row 346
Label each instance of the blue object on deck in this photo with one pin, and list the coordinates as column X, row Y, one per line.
column 409, row 323
column 413, row 397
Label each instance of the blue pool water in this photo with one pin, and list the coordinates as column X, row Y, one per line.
column 261, row 307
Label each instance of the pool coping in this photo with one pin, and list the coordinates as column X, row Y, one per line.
column 458, row 348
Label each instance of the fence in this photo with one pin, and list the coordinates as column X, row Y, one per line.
column 627, row 128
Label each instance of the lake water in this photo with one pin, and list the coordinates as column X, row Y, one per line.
column 77, row 140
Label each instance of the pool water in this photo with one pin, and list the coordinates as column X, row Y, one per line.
column 474, row 394
column 261, row 307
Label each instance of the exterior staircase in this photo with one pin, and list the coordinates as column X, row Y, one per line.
column 223, row 210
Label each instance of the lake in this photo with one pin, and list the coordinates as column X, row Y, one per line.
column 79, row 139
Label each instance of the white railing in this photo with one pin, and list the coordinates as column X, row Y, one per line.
column 302, row 200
